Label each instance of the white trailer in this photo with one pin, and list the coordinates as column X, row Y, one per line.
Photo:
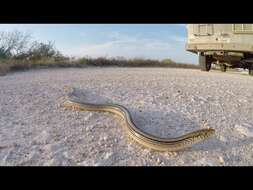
column 228, row 45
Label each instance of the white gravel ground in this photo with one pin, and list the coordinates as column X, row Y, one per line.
column 36, row 130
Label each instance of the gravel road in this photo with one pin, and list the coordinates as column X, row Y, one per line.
column 35, row 129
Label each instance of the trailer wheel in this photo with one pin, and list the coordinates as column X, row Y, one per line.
column 223, row 67
column 251, row 69
column 204, row 63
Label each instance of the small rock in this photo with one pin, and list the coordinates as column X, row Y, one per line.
column 146, row 151
column 181, row 162
column 171, row 154
column 87, row 129
column 43, row 138
column 84, row 163
column 244, row 131
column 243, row 100
column 107, row 155
column 51, row 162
column 66, row 154
column 221, row 160
column 105, row 138
column 158, row 161
column 223, row 139
column 86, row 118
column 203, row 162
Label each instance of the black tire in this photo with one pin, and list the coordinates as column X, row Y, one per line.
column 251, row 70
column 223, row 68
column 204, row 63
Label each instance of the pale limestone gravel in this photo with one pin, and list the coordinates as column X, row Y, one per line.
column 36, row 130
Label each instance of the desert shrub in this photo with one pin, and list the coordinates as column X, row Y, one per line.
column 39, row 50
column 145, row 63
column 4, row 68
column 136, row 62
column 167, row 61
column 16, row 65
column 81, row 62
column 13, row 44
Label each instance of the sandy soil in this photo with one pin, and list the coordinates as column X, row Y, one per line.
column 36, row 130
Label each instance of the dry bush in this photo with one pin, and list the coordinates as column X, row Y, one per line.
column 51, row 62
column 4, row 68
column 136, row 62
column 13, row 44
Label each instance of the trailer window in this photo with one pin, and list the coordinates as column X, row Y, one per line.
column 203, row 29
column 243, row 28
column 247, row 27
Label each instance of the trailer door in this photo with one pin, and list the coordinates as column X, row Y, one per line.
column 203, row 29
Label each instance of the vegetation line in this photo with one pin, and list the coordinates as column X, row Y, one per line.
column 19, row 52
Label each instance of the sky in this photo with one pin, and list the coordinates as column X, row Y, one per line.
column 150, row 41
